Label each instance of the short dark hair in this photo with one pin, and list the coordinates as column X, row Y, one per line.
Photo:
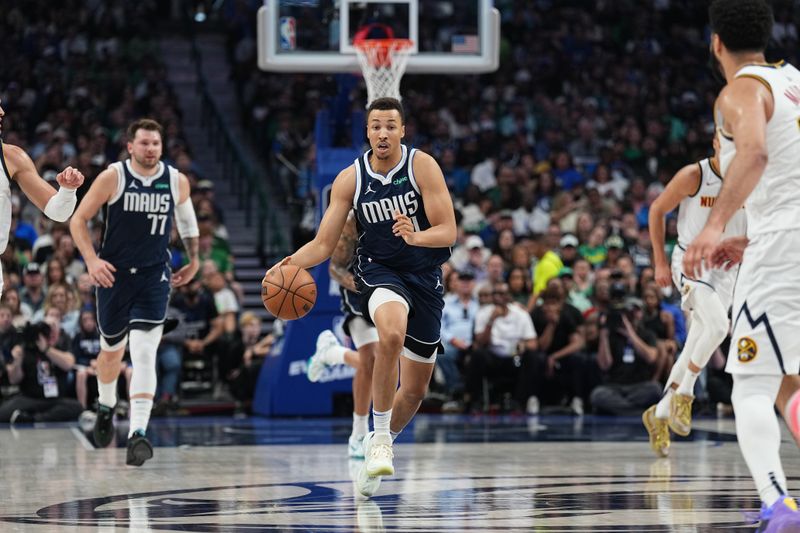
column 387, row 104
column 144, row 124
column 742, row 25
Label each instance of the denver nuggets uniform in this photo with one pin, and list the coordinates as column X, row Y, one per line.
column 692, row 215
column 385, row 260
column 766, row 303
column 138, row 222
column 5, row 208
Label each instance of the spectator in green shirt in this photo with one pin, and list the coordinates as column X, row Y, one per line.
column 594, row 251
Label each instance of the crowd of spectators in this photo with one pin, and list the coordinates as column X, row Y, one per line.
column 552, row 162
column 74, row 75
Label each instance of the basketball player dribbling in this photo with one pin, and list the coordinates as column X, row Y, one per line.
column 16, row 165
column 707, row 299
column 139, row 197
column 364, row 335
column 406, row 225
column 758, row 121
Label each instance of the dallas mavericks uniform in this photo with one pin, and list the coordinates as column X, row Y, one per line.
column 138, row 221
column 385, row 260
column 360, row 331
column 766, row 302
column 5, row 208
column 692, row 215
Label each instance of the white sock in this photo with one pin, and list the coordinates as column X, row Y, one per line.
column 107, row 393
column 140, row 414
column 662, row 407
column 394, row 434
column 381, row 420
column 687, row 384
column 360, row 425
column 759, row 433
column 335, row 355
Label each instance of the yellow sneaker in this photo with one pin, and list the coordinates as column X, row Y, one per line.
column 680, row 414
column 658, row 431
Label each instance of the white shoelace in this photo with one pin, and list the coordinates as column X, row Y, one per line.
column 382, row 452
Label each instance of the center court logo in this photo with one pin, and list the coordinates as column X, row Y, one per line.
column 747, row 349
column 556, row 503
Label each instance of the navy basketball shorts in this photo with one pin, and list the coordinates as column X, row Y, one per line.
column 424, row 293
column 137, row 300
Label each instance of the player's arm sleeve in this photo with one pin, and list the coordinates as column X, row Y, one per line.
column 186, row 220
column 61, row 205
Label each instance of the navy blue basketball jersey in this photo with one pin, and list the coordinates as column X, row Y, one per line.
column 376, row 199
column 138, row 218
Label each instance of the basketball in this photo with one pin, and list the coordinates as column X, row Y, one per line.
column 288, row 292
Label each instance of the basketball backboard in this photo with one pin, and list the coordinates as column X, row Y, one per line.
column 449, row 36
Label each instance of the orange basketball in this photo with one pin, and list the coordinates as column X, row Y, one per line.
column 288, row 292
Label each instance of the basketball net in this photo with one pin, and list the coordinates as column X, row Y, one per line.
column 383, row 62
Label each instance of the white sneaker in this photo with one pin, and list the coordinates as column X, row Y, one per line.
column 577, row 406
column 355, row 447
column 369, row 517
column 367, row 485
column 319, row 361
column 533, row 406
column 378, row 457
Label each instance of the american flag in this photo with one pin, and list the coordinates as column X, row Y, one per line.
column 464, row 44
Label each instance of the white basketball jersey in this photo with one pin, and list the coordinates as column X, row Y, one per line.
column 5, row 202
column 774, row 205
column 694, row 210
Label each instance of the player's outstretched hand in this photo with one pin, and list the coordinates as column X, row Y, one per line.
column 698, row 255
column 729, row 252
column 70, row 178
column 185, row 274
column 101, row 272
column 403, row 227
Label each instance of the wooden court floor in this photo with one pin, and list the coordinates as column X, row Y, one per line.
column 487, row 474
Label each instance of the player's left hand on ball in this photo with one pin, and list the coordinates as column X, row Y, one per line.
column 403, row 227
column 185, row 274
column 70, row 178
column 285, row 261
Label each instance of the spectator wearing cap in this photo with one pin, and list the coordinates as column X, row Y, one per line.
column 504, row 334
column 205, row 191
column 640, row 250
column 458, row 321
column 560, row 361
column 475, row 258
column 568, row 249
column 33, row 293
column 626, row 355
column 615, row 249
column 594, row 250
column 547, row 267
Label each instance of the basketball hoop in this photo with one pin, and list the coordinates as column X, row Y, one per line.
column 383, row 62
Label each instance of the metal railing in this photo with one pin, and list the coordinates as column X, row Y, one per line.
column 248, row 187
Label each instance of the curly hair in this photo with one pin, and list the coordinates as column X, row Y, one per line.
column 742, row 25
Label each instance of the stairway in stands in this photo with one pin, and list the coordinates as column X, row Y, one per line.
column 176, row 52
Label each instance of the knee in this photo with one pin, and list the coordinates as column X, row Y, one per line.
column 392, row 341
column 414, row 393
